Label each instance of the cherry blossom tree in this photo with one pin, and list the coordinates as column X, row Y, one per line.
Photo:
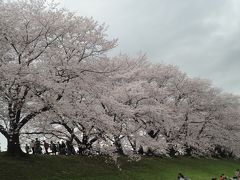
column 185, row 115
column 56, row 77
column 42, row 50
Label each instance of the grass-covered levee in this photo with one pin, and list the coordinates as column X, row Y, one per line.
column 101, row 168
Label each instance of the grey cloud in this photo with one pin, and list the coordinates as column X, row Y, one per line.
column 201, row 37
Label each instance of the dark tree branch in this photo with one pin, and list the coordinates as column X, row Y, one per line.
column 31, row 116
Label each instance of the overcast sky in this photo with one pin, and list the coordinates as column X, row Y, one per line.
column 199, row 36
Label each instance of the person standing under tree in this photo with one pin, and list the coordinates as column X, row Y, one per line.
column 32, row 146
column 53, row 148
column 27, row 148
column 37, row 146
column 59, row 147
column 46, row 146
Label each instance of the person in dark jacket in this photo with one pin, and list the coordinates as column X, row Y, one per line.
column 53, row 148
column 46, row 146
column 37, row 147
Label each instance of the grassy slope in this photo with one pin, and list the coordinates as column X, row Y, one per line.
column 78, row 168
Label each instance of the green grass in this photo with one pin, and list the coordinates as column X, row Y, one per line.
column 95, row 168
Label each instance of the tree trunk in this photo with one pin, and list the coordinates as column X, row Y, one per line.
column 133, row 144
column 171, row 151
column 118, row 145
column 140, row 150
column 13, row 147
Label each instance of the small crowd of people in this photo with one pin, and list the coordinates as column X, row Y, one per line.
column 222, row 177
column 235, row 177
column 60, row 148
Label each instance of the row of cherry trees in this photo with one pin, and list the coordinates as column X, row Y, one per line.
column 56, row 80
